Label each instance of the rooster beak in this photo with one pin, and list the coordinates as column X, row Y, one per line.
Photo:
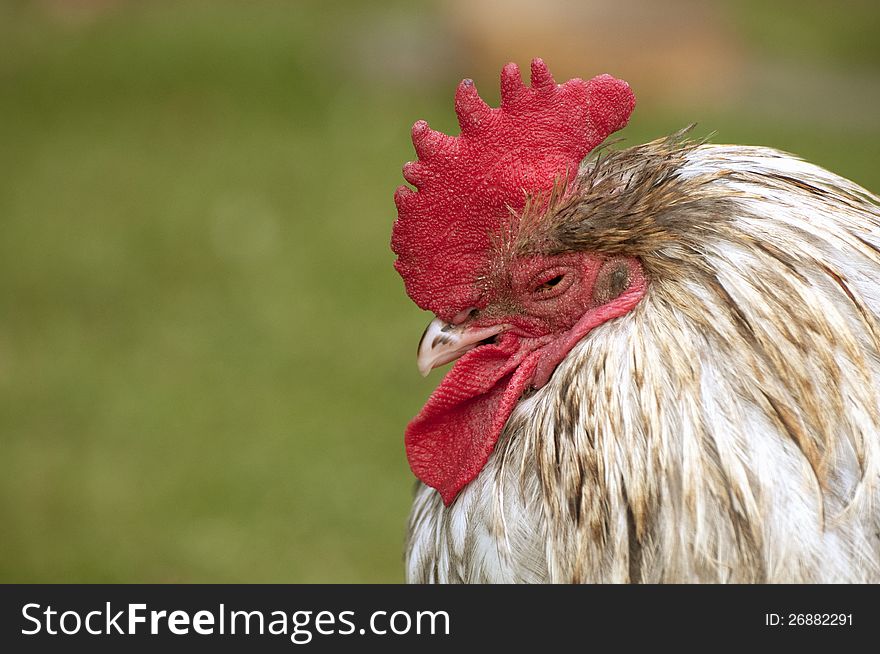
column 442, row 343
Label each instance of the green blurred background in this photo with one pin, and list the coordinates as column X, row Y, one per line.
column 206, row 358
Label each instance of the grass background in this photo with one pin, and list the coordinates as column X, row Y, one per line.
column 206, row 358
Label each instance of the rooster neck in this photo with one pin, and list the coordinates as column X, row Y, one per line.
column 727, row 428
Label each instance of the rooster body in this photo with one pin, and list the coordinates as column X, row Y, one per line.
column 726, row 428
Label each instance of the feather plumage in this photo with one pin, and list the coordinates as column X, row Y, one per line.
column 727, row 429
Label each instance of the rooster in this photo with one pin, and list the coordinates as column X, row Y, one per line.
column 667, row 356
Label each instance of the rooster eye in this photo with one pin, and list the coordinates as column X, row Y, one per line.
column 550, row 286
column 550, row 283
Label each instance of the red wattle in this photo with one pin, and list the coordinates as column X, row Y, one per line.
column 449, row 442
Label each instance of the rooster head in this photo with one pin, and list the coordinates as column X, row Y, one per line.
column 472, row 249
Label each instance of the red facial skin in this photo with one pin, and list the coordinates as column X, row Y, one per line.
column 549, row 305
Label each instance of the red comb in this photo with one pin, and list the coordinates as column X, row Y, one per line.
column 468, row 184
